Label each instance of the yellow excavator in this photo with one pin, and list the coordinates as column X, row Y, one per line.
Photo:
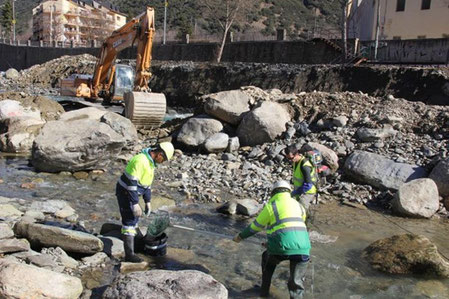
column 118, row 82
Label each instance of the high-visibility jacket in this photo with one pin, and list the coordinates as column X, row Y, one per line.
column 138, row 177
column 284, row 219
column 298, row 176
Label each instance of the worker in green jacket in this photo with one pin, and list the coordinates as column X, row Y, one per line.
column 136, row 181
column 287, row 238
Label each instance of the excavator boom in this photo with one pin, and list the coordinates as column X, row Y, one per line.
column 139, row 31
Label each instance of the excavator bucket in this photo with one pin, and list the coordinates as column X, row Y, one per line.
column 145, row 109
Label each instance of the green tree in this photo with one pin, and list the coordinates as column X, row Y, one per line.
column 6, row 17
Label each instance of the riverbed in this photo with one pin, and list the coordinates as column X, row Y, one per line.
column 336, row 269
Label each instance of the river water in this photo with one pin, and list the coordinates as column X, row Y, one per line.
column 336, row 271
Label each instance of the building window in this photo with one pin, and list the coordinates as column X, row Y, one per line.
column 396, row 38
column 425, row 4
column 400, row 5
column 421, row 37
column 445, row 35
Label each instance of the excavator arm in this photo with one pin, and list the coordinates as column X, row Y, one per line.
column 140, row 31
column 112, row 81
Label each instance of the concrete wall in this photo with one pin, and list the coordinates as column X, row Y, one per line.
column 297, row 52
column 427, row 51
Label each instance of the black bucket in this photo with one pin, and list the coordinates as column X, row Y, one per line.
column 156, row 246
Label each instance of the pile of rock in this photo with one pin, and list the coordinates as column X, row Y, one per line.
column 386, row 142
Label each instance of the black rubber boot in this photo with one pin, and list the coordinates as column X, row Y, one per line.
column 128, row 243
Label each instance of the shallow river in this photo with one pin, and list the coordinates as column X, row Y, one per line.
column 336, row 271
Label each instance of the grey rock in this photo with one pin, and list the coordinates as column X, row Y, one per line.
column 216, row 143
column 418, row 198
column 184, row 284
column 263, row 124
column 380, row 171
column 340, row 121
column 197, row 129
column 233, row 144
column 49, row 206
column 76, row 145
column 440, row 174
column 5, row 231
column 14, row 245
column 247, row 207
column 12, row 74
column 43, row 261
column 51, row 236
column 26, row 281
column 228, row 106
column 113, row 247
column 368, row 135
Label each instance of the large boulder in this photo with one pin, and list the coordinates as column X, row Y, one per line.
column 228, row 106
column 417, row 198
column 197, row 129
column 52, row 236
column 379, row 171
column 407, row 254
column 186, row 284
column 263, row 124
column 440, row 174
column 80, row 143
column 26, row 281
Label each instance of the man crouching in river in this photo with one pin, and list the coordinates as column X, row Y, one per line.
column 136, row 181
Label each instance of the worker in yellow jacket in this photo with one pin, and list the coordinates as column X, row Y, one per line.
column 134, row 182
column 305, row 177
column 287, row 238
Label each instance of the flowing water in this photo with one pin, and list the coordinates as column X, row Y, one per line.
column 336, row 271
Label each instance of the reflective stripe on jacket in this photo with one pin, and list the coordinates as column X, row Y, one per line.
column 138, row 177
column 298, row 176
column 284, row 219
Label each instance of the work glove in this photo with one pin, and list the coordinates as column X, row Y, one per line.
column 237, row 238
column 137, row 210
column 147, row 208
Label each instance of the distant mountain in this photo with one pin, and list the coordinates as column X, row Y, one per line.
column 299, row 17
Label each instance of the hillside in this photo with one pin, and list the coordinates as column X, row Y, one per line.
column 297, row 16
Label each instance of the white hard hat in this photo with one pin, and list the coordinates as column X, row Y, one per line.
column 282, row 184
column 168, row 149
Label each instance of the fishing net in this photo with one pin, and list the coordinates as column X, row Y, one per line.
column 159, row 221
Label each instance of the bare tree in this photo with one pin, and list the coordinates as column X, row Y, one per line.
column 226, row 13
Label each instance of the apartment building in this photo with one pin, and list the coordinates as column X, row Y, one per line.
column 399, row 19
column 76, row 21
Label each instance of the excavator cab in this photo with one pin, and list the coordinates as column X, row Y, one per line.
column 123, row 81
